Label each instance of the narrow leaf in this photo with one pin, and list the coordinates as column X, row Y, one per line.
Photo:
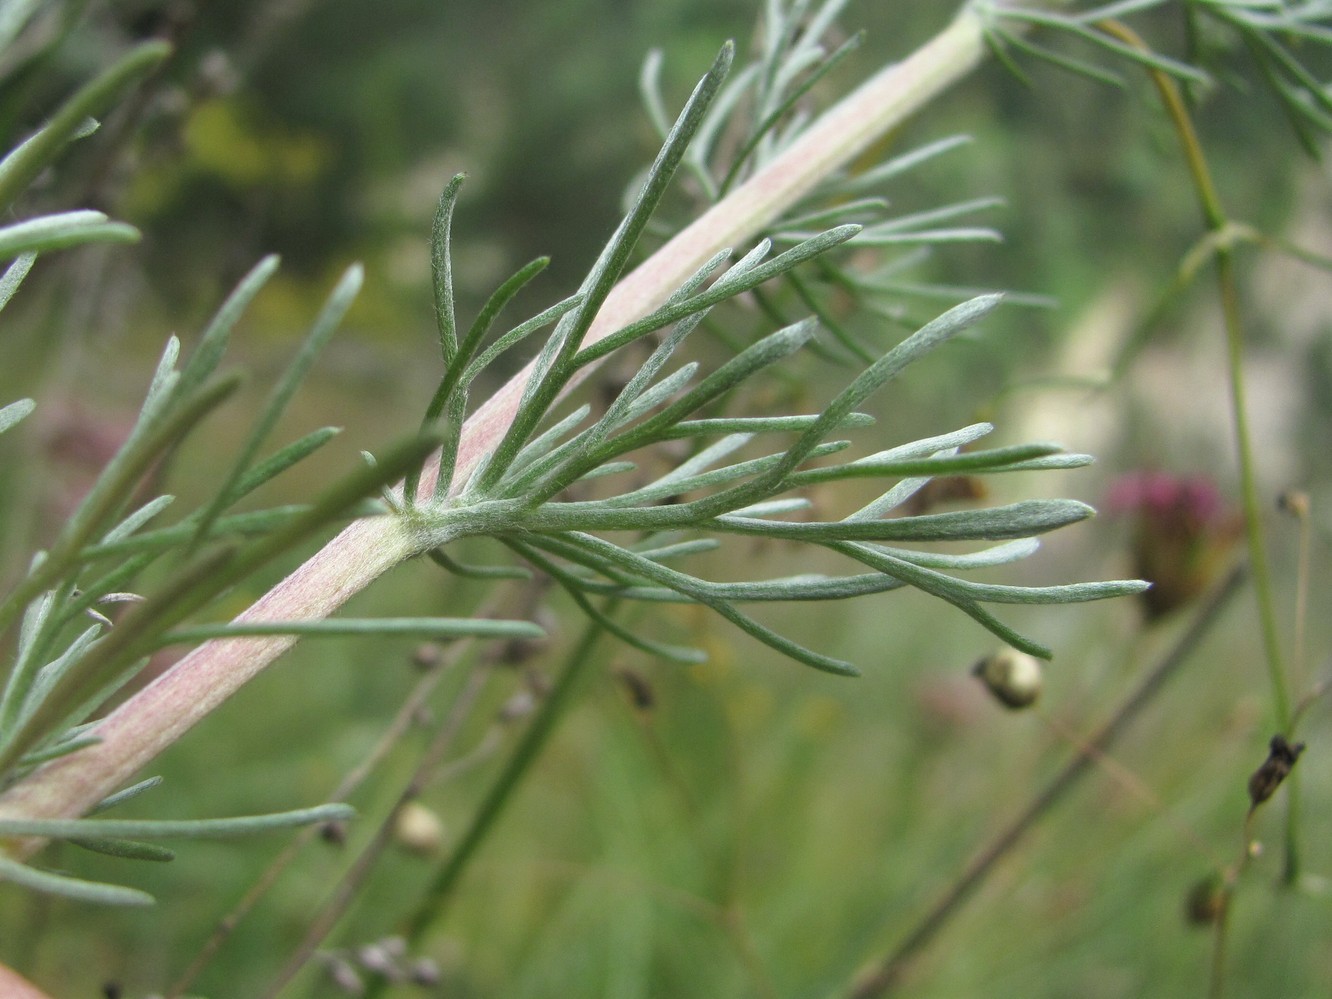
column 57, row 232
column 15, row 411
column 403, row 627
column 244, row 825
column 441, row 266
column 21, row 166
column 51, row 883
column 330, row 316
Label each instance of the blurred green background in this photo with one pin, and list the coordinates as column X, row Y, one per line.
column 762, row 830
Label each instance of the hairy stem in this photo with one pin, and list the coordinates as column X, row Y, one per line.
column 154, row 718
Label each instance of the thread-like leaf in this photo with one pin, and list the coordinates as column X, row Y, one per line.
column 21, row 166
column 56, row 232
column 15, row 411
column 328, row 320
column 76, row 889
column 244, row 825
column 551, row 375
column 399, row 627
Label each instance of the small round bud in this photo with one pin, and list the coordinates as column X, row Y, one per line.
column 376, row 958
column 518, row 706
column 395, row 947
column 334, row 833
column 425, row 971
column 427, row 656
column 1014, row 677
column 1206, row 901
column 1294, row 502
column 345, row 978
column 418, row 829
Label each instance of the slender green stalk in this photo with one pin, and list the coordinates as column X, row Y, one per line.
column 1209, row 201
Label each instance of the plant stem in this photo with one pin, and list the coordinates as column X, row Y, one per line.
column 1214, row 216
column 887, row 973
column 154, row 718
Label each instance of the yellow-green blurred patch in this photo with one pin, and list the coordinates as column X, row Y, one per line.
column 241, row 146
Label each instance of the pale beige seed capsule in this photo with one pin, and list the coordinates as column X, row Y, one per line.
column 1014, row 677
column 418, row 829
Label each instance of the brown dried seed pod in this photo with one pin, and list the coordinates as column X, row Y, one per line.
column 1206, row 901
column 427, row 656
column 1267, row 778
column 638, row 687
column 1294, row 502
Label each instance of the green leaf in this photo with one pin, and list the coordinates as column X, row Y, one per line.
column 441, row 266
column 78, row 890
column 1016, row 520
column 15, row 411
column 449, row 564
column 21, row 166
column 920, row 343
column 769, row 350
column 740, row 278
column 126, row 794
column 56, row 232
column 325, row 324
column 553, row 367
column 400, row 627
column 244, row 825
column 575, row 588
column 450, row 399
column 876, row 176
column 126, row 849
column 789, row 100
column 702, row 593
column 286, row 457
column 213, row 342
column 14, row 275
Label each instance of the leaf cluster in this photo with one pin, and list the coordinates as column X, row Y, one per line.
column 527, row 492
column 765, row 106
column 67, row 656
column 516, row 493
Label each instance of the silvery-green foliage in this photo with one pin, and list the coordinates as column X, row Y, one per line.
column 67, row 655
column 517, row 494
column 1283, row 39
column 570, row 492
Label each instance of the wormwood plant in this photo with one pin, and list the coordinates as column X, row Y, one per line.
column 506, row 481
column 562, row 488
